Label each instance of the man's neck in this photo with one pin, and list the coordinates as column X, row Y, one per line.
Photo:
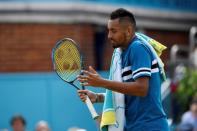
column 128, row 42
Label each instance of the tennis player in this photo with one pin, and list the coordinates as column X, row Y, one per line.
column 141, row 79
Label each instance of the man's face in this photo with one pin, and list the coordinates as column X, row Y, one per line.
column 18, row 126
column 194, row 109
column 116, row 33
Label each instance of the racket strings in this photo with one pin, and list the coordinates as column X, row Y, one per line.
column 67, row 59
column 66, row 73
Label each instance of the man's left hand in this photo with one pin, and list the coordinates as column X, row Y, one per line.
column 90, row 78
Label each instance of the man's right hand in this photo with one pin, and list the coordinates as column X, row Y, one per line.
column 84, row 93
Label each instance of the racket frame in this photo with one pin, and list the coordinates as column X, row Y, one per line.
column 87, row 101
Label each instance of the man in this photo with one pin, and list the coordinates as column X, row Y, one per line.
column 141, row 83
column 190, row 117
column 18, row 123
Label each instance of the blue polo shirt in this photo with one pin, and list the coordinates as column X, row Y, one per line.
column 143, row 113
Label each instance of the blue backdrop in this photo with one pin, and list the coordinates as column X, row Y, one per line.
column 43, row 96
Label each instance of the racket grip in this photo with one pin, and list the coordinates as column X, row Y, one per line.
column 91, row 108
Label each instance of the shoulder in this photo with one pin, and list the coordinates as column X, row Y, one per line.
column 138, row 44
column 186, row 116
column 139, row 48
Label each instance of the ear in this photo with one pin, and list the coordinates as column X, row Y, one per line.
column 129, row 31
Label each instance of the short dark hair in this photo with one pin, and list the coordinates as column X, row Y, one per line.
column 123, row 14
column 194, row 101
column 17, row 117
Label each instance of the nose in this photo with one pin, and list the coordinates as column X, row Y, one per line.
column 109, row 35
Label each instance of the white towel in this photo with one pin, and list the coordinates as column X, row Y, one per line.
column 119, row 103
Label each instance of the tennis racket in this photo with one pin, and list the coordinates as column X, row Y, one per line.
column 67, row 63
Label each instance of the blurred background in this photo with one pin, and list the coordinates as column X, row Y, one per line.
column 30, row 28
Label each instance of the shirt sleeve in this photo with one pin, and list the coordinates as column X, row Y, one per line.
column 140, row 61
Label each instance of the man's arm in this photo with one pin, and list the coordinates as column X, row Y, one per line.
column 100, row 97
column 94, row 97
column 137, row 88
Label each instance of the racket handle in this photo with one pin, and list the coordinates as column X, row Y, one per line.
column 91, row 108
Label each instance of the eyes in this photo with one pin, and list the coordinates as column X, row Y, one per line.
column 113, row 31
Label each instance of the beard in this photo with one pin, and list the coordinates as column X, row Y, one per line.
column 114, row 44
column 119, row 42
